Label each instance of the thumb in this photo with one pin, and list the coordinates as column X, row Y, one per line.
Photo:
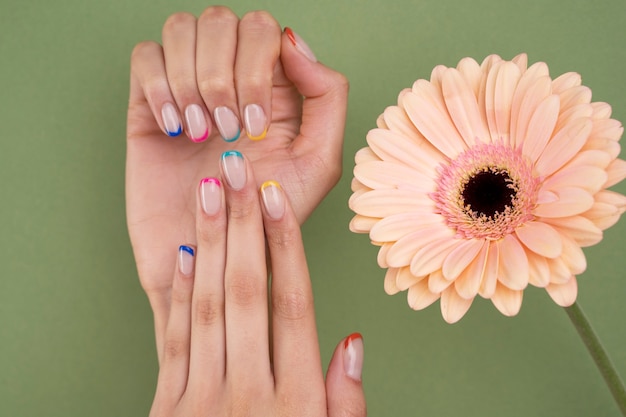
column 344, row 390
column 325, row 94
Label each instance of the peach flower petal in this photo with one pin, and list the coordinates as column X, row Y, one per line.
column 405, row 279
column 507, row 301
column 461, row 257
column 419, row 297
column 463, row 108
column 540, row 238
column 564, row 295
column 579, row 228
column 513, row 269
column 393, row 228
column 453, row 307
column 404, row 250
column 572, row 201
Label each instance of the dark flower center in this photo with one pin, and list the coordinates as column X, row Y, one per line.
column 489, row 192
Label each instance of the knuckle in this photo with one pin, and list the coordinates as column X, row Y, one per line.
column 218, row 15
column 292, row 305
column 143, row 49
column 241, row 211
column 281, row 238
column 174, row 349
column 254, row 80
column 209, row 310
column 183, row 87
column 342, row 83
column 245, row 289
column 209, row 236
column 178, row 21
column 259, row 20
column 214, row 84
column 180, row 296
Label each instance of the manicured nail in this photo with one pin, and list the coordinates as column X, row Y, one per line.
column 227, row 123
column 353, row 356
column 300, row 45
column 210, row 195
column 256, row 121
column 234, row 168
column 196, row 123
column 171, row 120
column 185, row 259
column 273, row 199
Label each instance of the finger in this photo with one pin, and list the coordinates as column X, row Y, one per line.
column 215, row 52
column 179, row 47
column 175, row 364
column 258, row 50
column 296, row 350
column 208, row 351
column 344, row 390
column 149, row 83
column 246, row 277
column 325, row 104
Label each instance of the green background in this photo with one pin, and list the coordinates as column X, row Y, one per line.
column 76, row 336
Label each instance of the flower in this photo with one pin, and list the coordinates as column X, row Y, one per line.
column 485, row 179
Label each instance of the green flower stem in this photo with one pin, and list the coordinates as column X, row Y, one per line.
column 599, row 355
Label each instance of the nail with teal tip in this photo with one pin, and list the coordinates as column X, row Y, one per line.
column 232, row 153
column 234, row 138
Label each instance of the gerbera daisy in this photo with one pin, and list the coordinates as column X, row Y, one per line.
column 485, row 179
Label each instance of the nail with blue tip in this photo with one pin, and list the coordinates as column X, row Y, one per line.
column 186, row 257
column 171, row 121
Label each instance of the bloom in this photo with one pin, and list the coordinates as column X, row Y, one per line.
column 484, row 179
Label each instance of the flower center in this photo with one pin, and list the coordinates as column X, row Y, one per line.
column 486, row 192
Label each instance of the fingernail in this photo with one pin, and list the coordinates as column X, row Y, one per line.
column 273, row 199
column 256, row 121
column 210, row 195
column 171, row 120
column 353, row 356
column 234, row 168
column 227, row 123
column 196, row 123
column 185, row 259
column 300, row 45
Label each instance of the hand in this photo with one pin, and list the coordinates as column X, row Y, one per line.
column 219, row 357
column 210, row 74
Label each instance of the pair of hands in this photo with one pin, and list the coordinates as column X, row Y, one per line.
column 213, row 78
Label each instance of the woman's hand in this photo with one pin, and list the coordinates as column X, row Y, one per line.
column 219, row 358
column 216, row 78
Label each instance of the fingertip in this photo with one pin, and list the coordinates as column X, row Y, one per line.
column 353, row 356
column 300, row 45
column 344, row 388
column 273, row 198
column 186, row 259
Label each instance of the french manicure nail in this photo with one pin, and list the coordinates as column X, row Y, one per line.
column 255, row 121
column 196, row 123
column 171, row 120
column 210, row 195
column 234, row 168
column 273, row 199
column 353, row 356
column 227, row 123
column 185, row 259
column 300, row 45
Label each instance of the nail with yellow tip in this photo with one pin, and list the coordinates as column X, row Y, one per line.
column 273, row 199
column 255, row 121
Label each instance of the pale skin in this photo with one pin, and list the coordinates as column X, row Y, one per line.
column 218, row 60
column 222, row 351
